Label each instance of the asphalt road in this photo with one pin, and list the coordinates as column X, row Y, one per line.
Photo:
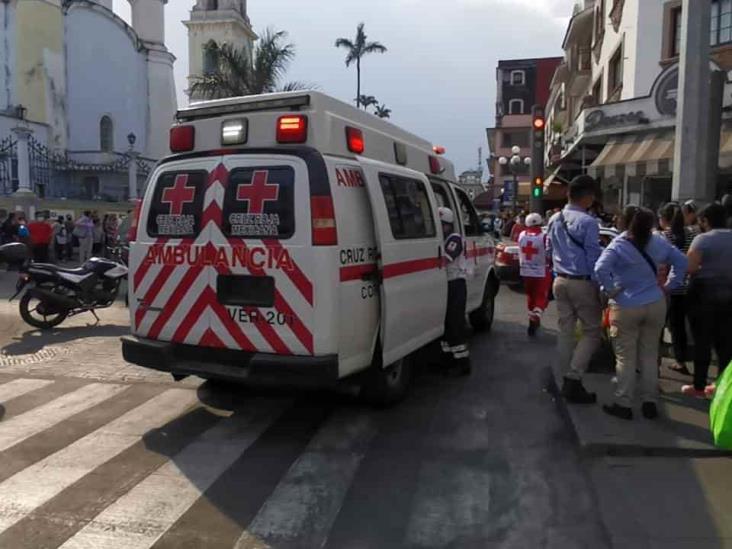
column 96, row 453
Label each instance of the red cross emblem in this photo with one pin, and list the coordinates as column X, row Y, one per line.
column 257, row 192
column 178, row 195
column 529, row 251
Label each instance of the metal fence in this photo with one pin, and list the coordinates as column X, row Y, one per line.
column 8, row 166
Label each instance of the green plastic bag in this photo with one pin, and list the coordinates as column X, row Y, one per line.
column 720, row 412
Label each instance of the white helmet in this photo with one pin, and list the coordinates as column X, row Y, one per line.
column 534, row 220
column 446, row 215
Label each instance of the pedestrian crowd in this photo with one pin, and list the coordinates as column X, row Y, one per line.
column 671, row 268
column 57, row 239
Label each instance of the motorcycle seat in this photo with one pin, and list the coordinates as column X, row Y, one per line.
column 59, row 269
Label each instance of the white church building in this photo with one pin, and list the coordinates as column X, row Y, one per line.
column 86, row 100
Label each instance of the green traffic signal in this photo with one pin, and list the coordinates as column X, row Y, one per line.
column 538, row 192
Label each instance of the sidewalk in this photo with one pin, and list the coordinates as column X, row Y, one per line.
column 682, row 429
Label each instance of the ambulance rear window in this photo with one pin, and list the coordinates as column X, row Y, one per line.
column 410, row 212
column 260, row 203
column 176, row 205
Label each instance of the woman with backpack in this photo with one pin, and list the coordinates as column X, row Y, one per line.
column 627, row 272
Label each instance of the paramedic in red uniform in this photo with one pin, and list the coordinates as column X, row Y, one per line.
column 534, row 269
column 456, row 345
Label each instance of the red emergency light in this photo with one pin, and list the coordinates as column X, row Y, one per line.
column 436, row 165
column 355, row 141
column 292, row 129
column 322, row 218
column 182, row 138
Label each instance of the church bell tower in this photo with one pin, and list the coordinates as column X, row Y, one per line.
column 216, row 22
column 148, row 21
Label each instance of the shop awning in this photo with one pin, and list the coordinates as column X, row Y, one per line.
column 636, row 154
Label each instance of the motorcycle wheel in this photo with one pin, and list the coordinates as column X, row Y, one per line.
column 38, row 314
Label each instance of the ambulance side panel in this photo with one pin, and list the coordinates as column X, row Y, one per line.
column 480, row 249
column 414, row 281
column 358, row 288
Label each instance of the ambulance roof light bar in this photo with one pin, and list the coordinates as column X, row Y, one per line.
column 232, row 107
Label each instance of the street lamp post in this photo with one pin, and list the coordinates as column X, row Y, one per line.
column 514, row 162
column 132, row 170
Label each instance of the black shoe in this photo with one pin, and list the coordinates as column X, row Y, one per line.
column 533, row 327
column 618, row 411
column 649, row 410
column 574, row 392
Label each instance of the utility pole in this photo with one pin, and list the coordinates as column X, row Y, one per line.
column 691, row 170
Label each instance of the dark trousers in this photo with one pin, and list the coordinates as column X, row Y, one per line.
column 455, row 330
column 677, row 323
column 40, row 253
column 710, row 312
column 59, row 250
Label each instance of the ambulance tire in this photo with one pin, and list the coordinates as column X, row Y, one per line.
column 482, row 318
column 383, row 387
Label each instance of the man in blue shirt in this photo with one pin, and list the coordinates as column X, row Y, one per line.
column 574, row 244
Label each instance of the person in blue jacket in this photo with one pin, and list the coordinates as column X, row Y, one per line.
column 628, row 273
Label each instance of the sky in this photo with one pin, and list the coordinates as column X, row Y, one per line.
column 438, row 76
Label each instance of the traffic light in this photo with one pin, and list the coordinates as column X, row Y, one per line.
column 537, row 188
column 538, row 133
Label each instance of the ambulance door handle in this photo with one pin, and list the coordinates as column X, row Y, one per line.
column 439, row 256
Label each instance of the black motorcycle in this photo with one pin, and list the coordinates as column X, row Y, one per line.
column 58, row 293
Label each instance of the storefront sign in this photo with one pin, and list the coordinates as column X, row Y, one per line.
column 667, row 91
column 598, row 120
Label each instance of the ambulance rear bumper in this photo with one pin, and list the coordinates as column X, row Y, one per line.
column 251, row 368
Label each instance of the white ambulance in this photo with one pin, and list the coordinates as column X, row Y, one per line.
column 291, row 238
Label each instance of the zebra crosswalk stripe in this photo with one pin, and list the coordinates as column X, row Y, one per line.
column 19, row 387
column 308, row 498
column 21, row 427
column 33, row 486
column 146, row 512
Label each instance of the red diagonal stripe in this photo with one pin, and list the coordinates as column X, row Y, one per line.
column 210, row 339
column 152, row 293
column 298, row 328
column 220, row 174
column 190, row 276
column 267, row 331
column 143, row 268
column 194, row 313
column 296, row 275
column 233, row 328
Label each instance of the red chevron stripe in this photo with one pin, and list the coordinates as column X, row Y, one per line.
column 210, row 339
column 152, row 293
column 195, row 312
column 143, row 269
column 297, row 277
column 190, row 276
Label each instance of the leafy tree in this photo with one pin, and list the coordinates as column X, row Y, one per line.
column 356, row 50
column 382, row 111
column 367, row 101
column 237, row 73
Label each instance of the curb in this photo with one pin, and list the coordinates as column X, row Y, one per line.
column 594, row 449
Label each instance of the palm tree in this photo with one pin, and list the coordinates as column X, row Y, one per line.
column 382, row 111
column 367, row 101
column 356, row 50
column 237, row 73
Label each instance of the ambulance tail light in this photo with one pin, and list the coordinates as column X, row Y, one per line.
column 132, row 231
column 292, row 129
column 182, row 138
column 354, row 138
column 323, row 221
column 436, row 165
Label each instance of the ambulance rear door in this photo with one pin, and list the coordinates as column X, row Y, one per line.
column 409, row 236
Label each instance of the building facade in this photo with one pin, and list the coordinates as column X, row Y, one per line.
column 520, row 84
column 612, row 106
column 213, row 23
column 86, row 100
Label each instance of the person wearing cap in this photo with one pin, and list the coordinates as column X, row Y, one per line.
column 534, row 269
column 455, row 344
column 574, row 243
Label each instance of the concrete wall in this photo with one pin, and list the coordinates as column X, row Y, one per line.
column 7, row 55
column 107, row 76
column 40, row 81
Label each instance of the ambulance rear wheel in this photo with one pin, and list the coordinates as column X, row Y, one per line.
column 387, row 386
column 482, row 318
